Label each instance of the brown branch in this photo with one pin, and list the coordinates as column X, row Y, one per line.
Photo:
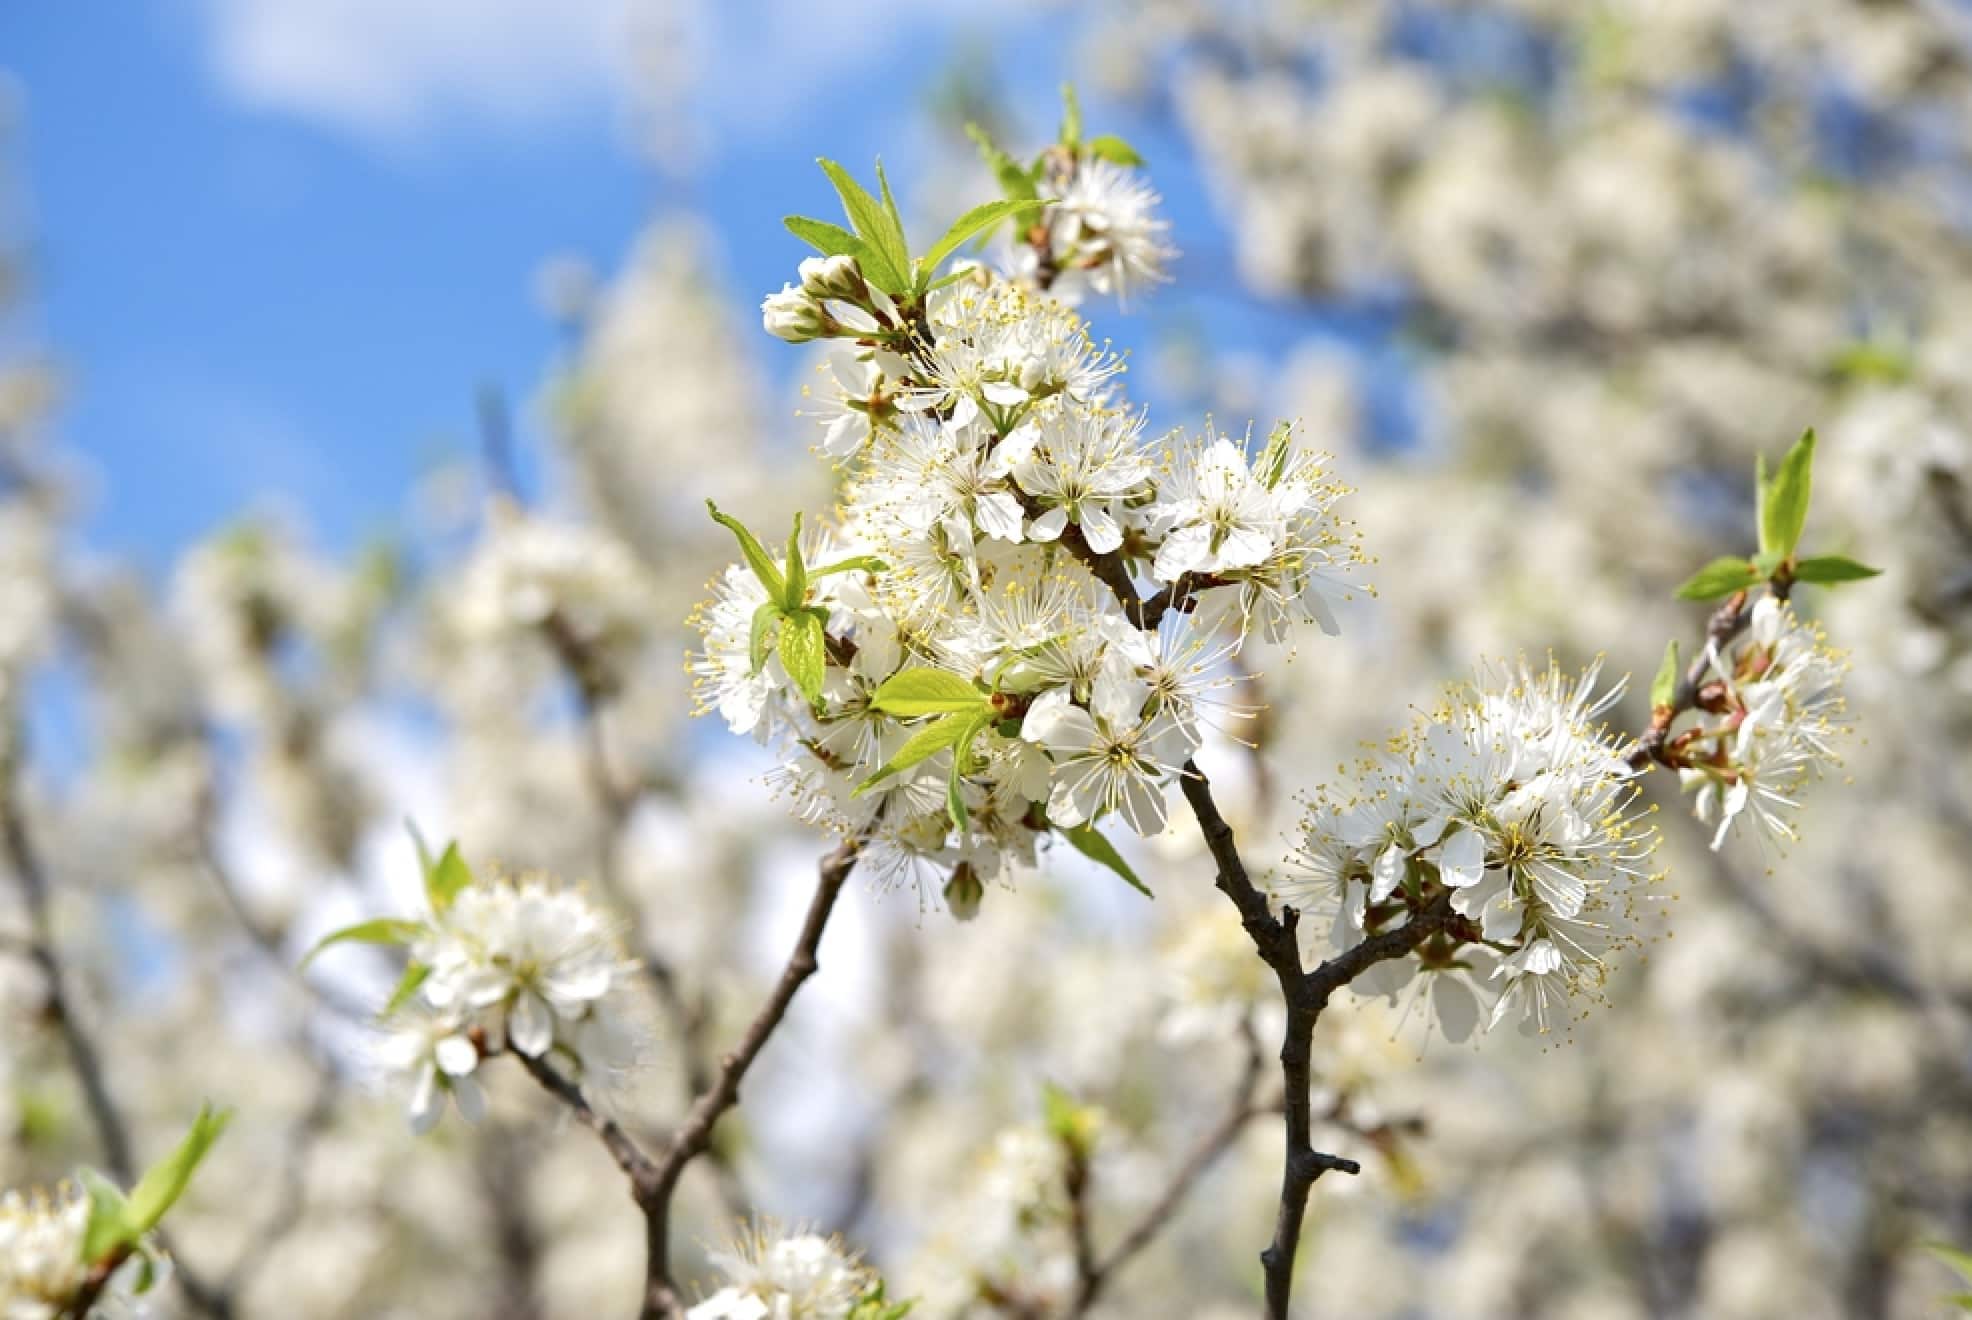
column 654, row 1182
column 83, row 1057
column 1724, row 625
column 1240, row 1110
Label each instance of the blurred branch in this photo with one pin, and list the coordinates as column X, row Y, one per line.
column 1240, row 1110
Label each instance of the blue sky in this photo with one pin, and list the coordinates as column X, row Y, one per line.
column 280, row 243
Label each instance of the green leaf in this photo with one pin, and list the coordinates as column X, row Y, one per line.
column 755, row 553
column 1826, row 570
column 1665, row 685
column 853, row 564
column 1015, row 181
column 1115, row 150
column 1091, row 844
column 1784, row 503
column 922, row 745
column 827, row 239
column 887, row 260
column 955, row 798
column 926, row 692
column 797, row 572
column 380, row 930
column 894, row 231
column 108, row 1227
column 165, row 1181
column 1071, row 116
column 1719, row 578
column 446, row 877
column 804, row 654
column 1952, row 1256
column 977, row 220
column 409, row 984
column 1767, row 563
column 760, row 640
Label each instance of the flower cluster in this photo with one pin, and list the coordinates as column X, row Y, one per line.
column 1512, row 807
column 500, row 963
column 773, row 1275
column 962, row 658
column 87, row 1248
column 1768, row 718
column 42, row 1264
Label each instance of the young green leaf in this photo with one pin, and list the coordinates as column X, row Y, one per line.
column 804, row 654
column 164, row 1182
column 887, row 261
column 1826, row 570
column 1115, row 150
column 1784, row 503
column 894, row 229
column 108, row 1226
column 1959, row 1260
column 761, row 638
column 1016, row 182
column 827, row 239
column 1091, row 844
column 418, row 842
column 922, row 745
column 975, row 221
column 793, row 597
column 955, row 798
column 446, row 877
column 1665, row 685
column 755, row 554
column 409, row 984
column 378, row 930
column 1071, row 117
column 1719, row 578
column 853, row 564
column 1767, row 563
column 926, row 692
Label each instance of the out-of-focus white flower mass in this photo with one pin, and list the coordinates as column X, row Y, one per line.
column 1509, row 308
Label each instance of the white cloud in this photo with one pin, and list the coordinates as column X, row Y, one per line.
column 396, row 70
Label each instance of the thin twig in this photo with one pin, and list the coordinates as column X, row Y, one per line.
column 654, row 1181
column 1205, row 1152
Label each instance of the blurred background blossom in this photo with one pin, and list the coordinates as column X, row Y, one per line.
column 347, row 342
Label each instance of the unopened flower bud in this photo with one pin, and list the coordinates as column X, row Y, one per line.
column 838, row 276
column 792, row 315
column 963, row 892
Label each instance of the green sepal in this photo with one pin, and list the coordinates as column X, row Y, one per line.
column 1719, row 578
column 755, row 554
column 1828, row 570
column 1089, row 841
column 377, row 930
